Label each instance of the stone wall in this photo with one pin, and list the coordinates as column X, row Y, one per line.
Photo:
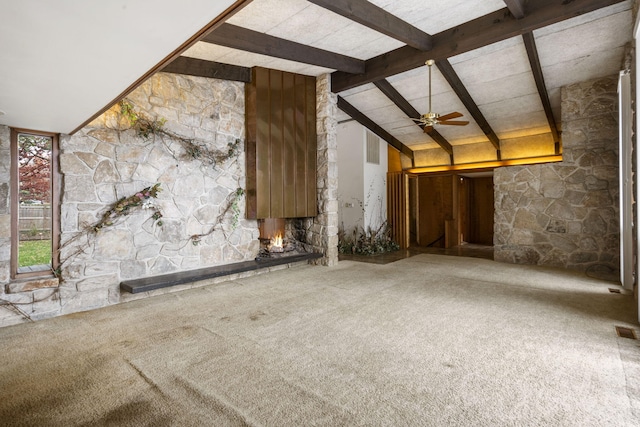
column 566, row 214
column 5, row 210
column 103, row 163
column 322, row 231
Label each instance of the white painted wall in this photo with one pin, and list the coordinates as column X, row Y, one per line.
column 362, row 194
column 375, row 188
column 350, row 175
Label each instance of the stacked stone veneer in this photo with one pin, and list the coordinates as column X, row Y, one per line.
column 321, row 232
column 101, row 164
column 566, row 214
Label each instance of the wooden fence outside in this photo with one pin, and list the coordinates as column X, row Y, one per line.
column 34, row 222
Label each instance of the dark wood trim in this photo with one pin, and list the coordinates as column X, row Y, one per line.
column 373, row 127
column 146, row 284
column 252, row 41
column 400, row 101
column 13, row 206
column 210, row 69
column 456, row 84
column 56, row 197
column 536, row 68
column 488, row 29
column 376, row 18
column 228, row 13
column 488, row 165
column 516, row 7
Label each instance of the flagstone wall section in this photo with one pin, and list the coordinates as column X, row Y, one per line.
column 322, row 231
column 101, row 164
column 566, row 214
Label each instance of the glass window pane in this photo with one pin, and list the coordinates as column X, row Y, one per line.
column 34, row 211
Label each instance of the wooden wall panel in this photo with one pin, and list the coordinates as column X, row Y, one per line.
column 398, row 207
column 289, row 140
column 281, row 145
column 250, row 147
column 300, row 145
column 481, row 209
column 276, row 127
column 312, row 146
column 435, row 201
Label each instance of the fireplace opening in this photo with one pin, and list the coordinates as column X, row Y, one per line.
column 277, row 239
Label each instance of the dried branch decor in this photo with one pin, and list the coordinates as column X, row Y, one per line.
column 194, row 149
column 125, row 205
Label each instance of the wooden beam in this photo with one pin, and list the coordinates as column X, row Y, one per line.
column 536, row 68
column 456, row 84
column 252, row 41
column 488, row 29
column 202, row 68
column 400, row 101
column 373, row 127
column 374, row 17
column 516, row 7
column 488, row 165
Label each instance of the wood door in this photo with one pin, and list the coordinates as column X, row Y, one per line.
column 479, row 220
column 435, row 207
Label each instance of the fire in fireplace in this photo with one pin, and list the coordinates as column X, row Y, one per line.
column 276, row 241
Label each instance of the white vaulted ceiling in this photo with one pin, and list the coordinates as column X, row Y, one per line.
column 498, row 76
column 82, row 55
column 62, row 61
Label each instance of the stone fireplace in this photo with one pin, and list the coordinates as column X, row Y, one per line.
column 280, row 237
column 291, row 162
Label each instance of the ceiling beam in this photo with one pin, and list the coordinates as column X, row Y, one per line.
column 488, row 29
column 252, row 41
column 376, row 18
column 516, row 7
column 536, row 68
column 210, row 69
column 456, row 84
column 373, row 127
column 400, row 101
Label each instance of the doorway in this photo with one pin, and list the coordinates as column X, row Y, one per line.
column 448, row 210
column 476, row 208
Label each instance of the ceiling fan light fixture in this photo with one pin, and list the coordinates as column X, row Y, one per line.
column 430, row 119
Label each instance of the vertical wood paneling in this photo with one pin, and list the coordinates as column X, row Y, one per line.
column 435, row 195
column 263, row 144
column 300, row 146
column 397, row 207
column 276, row 126
column 281, row 113
column 251, row 210
column 312, row 144
column 289, row 140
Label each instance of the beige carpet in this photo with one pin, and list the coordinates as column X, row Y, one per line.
column 430, row 340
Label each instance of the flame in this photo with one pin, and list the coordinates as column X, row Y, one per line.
column 277, row 240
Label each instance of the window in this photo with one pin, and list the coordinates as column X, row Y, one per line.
column 373, row 149
column 34, row 204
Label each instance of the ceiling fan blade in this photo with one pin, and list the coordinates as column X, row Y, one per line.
column 453, row 115
column 427, row 129
column 455, row 123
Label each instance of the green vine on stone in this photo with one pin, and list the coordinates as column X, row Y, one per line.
column 233, row 206
column 144, row 127
column 194, row 149
column 125, row 205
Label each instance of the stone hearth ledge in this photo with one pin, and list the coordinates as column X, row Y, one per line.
column 172, row 279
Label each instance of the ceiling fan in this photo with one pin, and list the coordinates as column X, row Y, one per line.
column 428, row 120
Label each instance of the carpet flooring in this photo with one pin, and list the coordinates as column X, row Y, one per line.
column 429, row 340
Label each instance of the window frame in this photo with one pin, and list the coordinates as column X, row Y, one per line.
column 15, row 204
